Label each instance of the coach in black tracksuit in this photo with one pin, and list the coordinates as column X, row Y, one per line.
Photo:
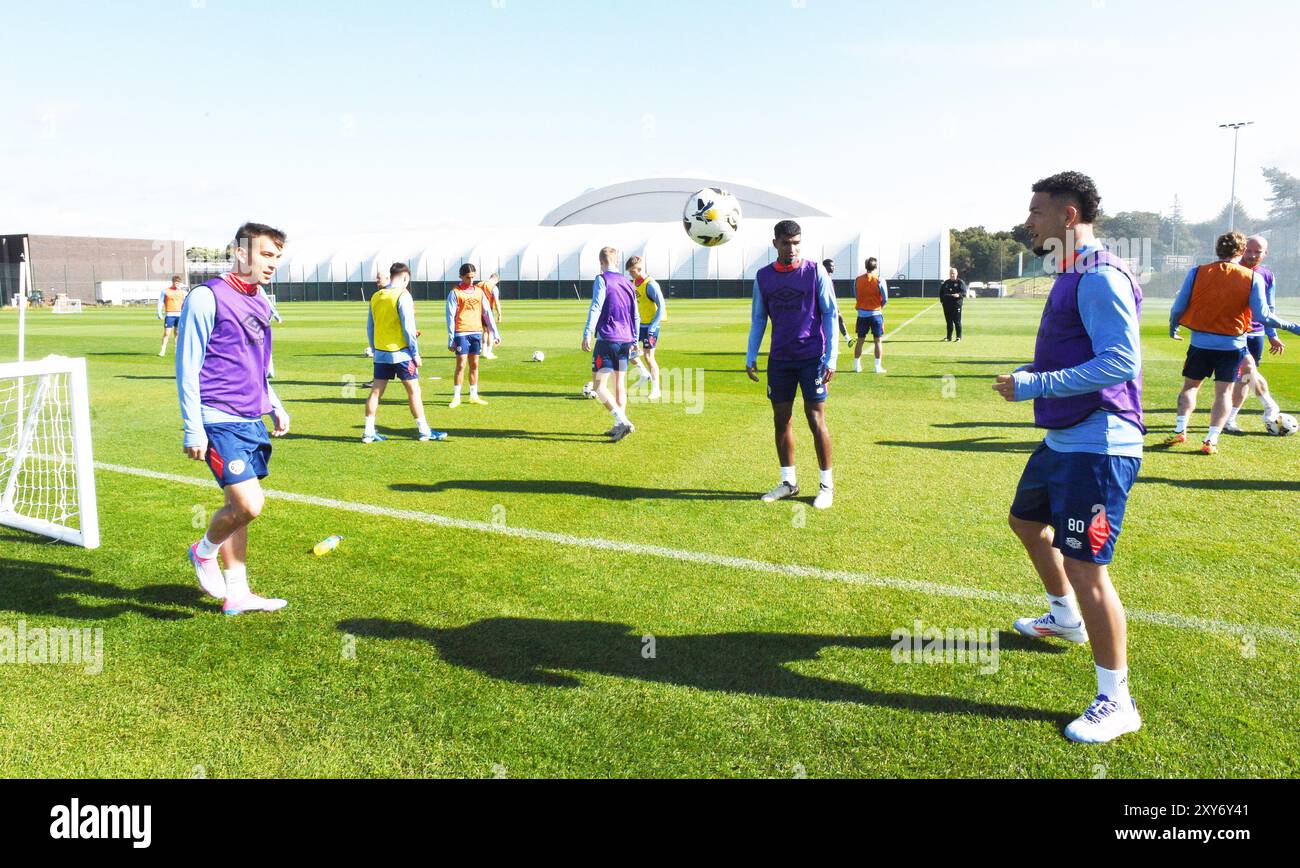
column 952, row 292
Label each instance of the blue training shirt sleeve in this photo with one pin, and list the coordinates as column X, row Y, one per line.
column 1269, row 287
column 452, row 307
column 406, row 313
column 830, row 312
column 757, row 326
column 597, row 302
column 1109, row 313
column 884, row 293
column 198, row 317
column 1181, row 301
column 655, row 294
column 161, row 296
column 370, row 329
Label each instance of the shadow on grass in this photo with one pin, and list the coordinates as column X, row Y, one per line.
column 983, row 425
column 408, row 433
column 543, row 652
column 36, row 588
column 580, row 487
column 1225, row 484
column 970, row 444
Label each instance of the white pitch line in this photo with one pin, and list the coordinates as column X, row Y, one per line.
column 915, row 586
column 909, row 322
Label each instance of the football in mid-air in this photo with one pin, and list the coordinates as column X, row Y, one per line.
column 539, row 356
column 711, row 217
column 1283, row 425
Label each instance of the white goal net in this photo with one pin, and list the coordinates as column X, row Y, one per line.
column 47, row 479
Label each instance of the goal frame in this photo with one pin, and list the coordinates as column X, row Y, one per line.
column 87, row 534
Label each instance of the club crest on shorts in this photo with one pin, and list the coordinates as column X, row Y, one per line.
column 237, row 466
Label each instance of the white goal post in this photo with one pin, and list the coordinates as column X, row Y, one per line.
column 47, row 465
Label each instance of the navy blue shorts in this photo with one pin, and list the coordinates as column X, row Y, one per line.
column 401, row 370
column 875, row 324
column 238, row 451
column 1082, row 495
column 784, row 375
column 171, row 321
column 649, row 339
column 1255, row 346
column 1225, row 365
column 611, row 356
column 467, row 345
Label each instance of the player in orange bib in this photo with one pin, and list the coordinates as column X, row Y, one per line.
column 469, row 318
column 170, row 303
column 872, row 295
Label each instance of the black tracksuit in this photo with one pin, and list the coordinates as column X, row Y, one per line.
column 951, row 293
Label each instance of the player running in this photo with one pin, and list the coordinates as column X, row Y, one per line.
column 872, row 295
column 1086, row 385
column 395, row 344
column 170, row 302
column 615, row 320
column 1256, row 250
column 1218, row 303
column 469, row 318
column 829, row 265
column 652, row 311
column 223, row 347
column 797, row 295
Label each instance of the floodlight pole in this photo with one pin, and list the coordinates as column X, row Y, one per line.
column 1232, row 202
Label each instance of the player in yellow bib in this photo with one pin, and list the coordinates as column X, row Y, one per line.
column 652, row 306
column 394, row 342
column 170, row 303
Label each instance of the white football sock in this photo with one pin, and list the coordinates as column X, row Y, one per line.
column 455, row 391
column 1271, row 407
column 1213, row 435
column 787, row 475
column 422, row 425
column 1114, row 684
column 619, row 416
column 236, row 582
column 1065, row 610
column 857, row 366
column 370, row 426
column 473, row 391
column 207, row 548
column 1180, row 424
column 826, row 479
column 1232, row 417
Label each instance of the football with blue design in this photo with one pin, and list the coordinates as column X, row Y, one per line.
column 711, row 217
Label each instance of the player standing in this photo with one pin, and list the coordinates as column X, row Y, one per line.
column 492, row 295
column 829, row 265
column 615, row 321
column 1086, row 384
column 872, row 295
column 223, row 348
column 1218, row 303
column 797, row 295
column 652, row 311
column 469, row 318
column 170, row 302
column 952, row 294
column 395, row 344
column 1256, row 250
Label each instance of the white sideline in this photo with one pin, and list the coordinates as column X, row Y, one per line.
column 916, row 586
column 909, row 322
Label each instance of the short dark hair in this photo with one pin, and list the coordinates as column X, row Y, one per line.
column 872, row 262
column 249, row 231
column 827, row 263
column 175, row 277
column 1078, row 188
column 467, row 268
column 786, row 229
column 398, row 268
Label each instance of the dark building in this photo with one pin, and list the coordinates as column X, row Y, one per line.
column 73, row 265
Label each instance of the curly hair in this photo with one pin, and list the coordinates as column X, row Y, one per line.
column 1078, row 188
column 1230, row 244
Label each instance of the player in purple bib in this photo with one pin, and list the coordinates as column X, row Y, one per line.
column 799, row 299
column 223, row 351
column 615, row 321
column 1086, row 385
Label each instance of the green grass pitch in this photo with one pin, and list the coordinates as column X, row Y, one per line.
column 427, row 649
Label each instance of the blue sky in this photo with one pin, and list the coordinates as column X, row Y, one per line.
column 186, row 117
